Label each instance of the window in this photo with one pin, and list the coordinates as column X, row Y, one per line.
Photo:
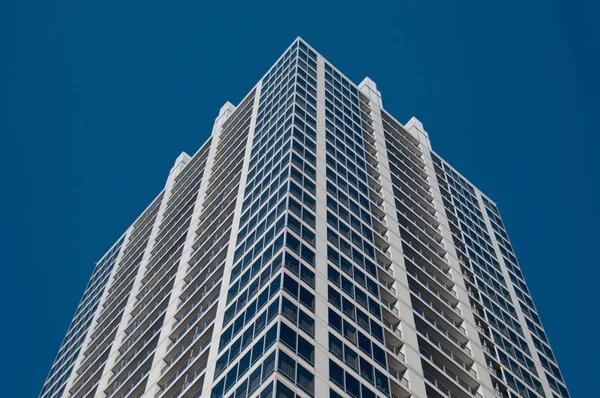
column 241, row 390
column 334, row 297
column 288, row 336
column 231, row 378
column 268, row 365
column 351, row 358
column 290, row 285
column 336, row 346
column 333, row 394
column 349, row 332
column 296, row 373
column 267, row 392
column 336, row 374
column 382, row 382
column 352, row 386
column 306, row 350
column 335, row 320
column 254, row 381
column 364, row 343
column 366, row 393
column 287, row 366
column 307, row 298
column 306, row 380
column 283, row 391
column 366, row 369
column 289, row 309
column 306, row 323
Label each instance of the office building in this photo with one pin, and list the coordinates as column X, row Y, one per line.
column 314, row 246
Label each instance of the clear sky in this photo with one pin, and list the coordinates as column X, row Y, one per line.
column 99, row 98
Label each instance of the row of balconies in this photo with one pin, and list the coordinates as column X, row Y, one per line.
column 145, row 223
column 416, row 159
column 96, row 346
column 417, row 177
column 198, row 306
column 433, row 288
column 149, row 293
column 397, row 131
column 204, row 292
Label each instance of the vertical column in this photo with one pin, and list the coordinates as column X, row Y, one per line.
column 161, row 349
column 415, row 127
column 131, row 300
column 321, row 301
column 515, row 301
column 411, row 347
column 222, row 304
column 94, row 322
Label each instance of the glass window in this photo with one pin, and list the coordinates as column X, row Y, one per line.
column 336, row 374
column 217, row 391
column 347, row 287
column 306, row 380
column 271, row 336
column 348, row 308
column 235, row 348
column 290, row 285
column 379, row 355
column 289, row 309
column 376, row 331
column 336, row 346
column 288, row 336
column 366, row 393
column 349, row 332
column 334, row 297
column 262, row 299
column 287, row 366
column 247, row 336
column 308, row 276
column 292, row 264
column 307, row 298
column 335, row 320
column 306, row 350
column 257, row 350
column 225, row 337
column 307, row 254
column 333, row 275
column 244, row 364
column 364, row 343
column 241, row 390
column 283, row 391
column 231, row 378
column 273, row 310
column 268, row 366
column 382, row 382
column 366, row 369
column 352, row 386
column 351, row 357
column 221, row 364
column 306, row 323
column 254, row 381
column 333, row 394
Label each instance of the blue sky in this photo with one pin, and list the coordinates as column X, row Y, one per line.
column 99, row 98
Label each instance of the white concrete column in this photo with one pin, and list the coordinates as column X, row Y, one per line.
column 415, row 127
column 152, row 387
column 515, row 301
column 321, row 284
column 404, row 306
column 137, row 284
column 222, row 304
column 94, row 323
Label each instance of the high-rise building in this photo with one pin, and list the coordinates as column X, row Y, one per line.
column 313, row 246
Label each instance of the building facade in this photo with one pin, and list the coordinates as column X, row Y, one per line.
column 313, row 246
